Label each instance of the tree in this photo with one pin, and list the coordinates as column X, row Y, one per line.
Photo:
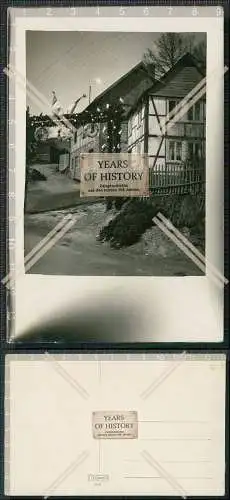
column 199, row 52
column 169, row 48
column 30, row 151
column 31, row 144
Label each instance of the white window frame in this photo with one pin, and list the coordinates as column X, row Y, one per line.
column 199, row 143
column 172, row 141
column 192, row 110
column 130, row 126
column 138, row 148
column 172, row 100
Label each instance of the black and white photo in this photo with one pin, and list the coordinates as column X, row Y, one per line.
column 131, row 93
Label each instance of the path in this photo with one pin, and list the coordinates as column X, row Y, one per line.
column 57, row 192
column 79, row 253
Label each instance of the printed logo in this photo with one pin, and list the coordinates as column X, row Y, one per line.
column 115, row 425
column 98, row 478
column 114, row 174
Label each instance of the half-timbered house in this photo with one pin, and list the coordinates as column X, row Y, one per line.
column 170, row 98
column 147, row 105
column 98, row 134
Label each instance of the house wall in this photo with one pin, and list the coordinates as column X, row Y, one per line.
column 157, row 110
column 136, row 130
column 142, row 133
column 124, row 137
column 189, row 129
column 82, row 143
column 63, row 162
column 182, row 137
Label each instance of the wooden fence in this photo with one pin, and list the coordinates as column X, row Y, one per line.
column 177, row 178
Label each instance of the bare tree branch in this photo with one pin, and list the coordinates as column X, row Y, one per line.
column 169, row 48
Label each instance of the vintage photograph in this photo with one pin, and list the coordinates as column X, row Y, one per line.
column 112, row 93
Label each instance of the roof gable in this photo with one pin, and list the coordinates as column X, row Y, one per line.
column 129, row 87
column 179, row 80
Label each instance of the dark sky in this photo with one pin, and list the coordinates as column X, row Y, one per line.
column 69, row 61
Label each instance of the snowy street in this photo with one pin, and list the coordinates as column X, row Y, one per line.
column 79, row 253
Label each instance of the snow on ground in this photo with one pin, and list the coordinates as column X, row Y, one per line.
column 79, row 253
column 57, row 192
column 56, row 182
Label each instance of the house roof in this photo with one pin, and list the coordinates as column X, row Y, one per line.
column 178, row 81
column 139, row 81
column 129, row 87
